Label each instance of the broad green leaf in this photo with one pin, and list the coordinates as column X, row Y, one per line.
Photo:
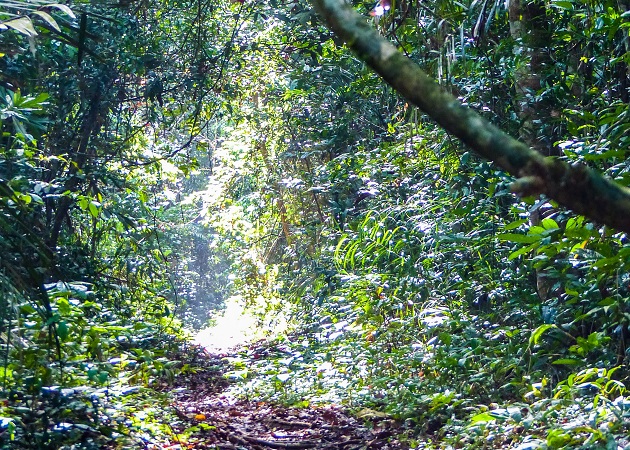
column 522, row 251
column 558, row 439
column 446, row 338
column 36, row 198
column 83, row 203
column 549, row 224
column 62, row 330
column 515, row 224
column 607, row 262
column 93, row 207
column 568, row 361
column 518, row 238
column 607, row 302
column 574, row 222
column 26, row 198
column 538, row 332
column 482, row 418
column 41, row 98
column 27, row 309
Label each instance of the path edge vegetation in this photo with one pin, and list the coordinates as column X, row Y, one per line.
column 574, row 186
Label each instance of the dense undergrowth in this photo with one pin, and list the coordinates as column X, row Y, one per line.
column 158, row 157
column 417, row 315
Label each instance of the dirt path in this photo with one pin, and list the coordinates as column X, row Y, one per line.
column 212, row 419
column 233, row 327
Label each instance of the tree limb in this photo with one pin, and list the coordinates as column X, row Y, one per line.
column 576, row 187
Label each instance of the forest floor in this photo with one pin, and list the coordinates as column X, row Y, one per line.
column 204, row 412
column 209, row 416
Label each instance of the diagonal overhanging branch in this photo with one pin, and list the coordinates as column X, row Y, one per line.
column 576, row 187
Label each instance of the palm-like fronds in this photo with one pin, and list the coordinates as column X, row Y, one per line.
column 17, row 15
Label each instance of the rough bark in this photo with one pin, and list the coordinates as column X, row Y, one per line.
column 574, row 186
column 529, row 27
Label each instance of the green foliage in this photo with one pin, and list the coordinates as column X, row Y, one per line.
column 94, row 251
column 157, row 157
column 412, row 272
column 585, row 411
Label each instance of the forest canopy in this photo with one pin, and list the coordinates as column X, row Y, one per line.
column 162, row 159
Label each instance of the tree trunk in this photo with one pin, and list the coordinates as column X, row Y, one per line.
column 529, row 27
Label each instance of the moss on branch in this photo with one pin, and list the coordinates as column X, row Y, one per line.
column 576, row 187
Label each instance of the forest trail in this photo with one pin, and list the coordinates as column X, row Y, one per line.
column 233, row 327
column 204, row 403
column 212, row 418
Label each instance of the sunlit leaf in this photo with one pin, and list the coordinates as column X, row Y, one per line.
column 522, row 251
column 63, row 8
column 567, row 361
column 23, row 25
column 538, row 332
column 515, row 224
column 482, row 418
column 48, row 18
column 518, row 238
